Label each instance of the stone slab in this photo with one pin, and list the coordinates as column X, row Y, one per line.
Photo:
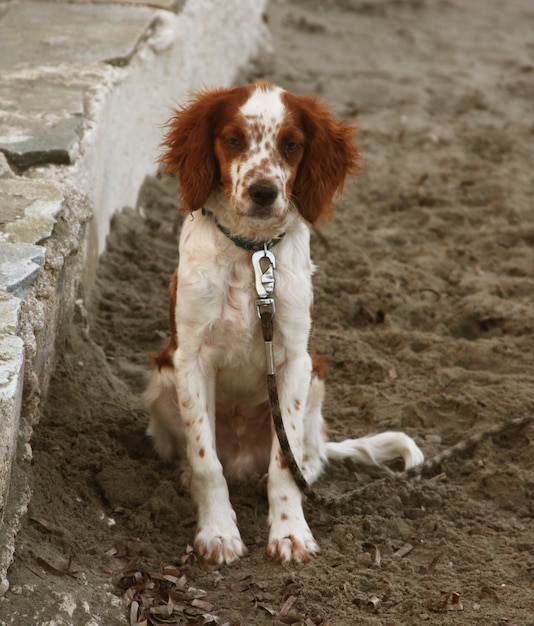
column 11, row 362
column 39, row 119
column 33, row 34
column 9, row 315
column 19, row 265
column 28, row 209
column 11, row 382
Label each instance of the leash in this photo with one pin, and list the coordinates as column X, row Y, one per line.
column 264, row 264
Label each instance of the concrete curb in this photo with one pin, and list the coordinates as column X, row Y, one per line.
column 84, row 92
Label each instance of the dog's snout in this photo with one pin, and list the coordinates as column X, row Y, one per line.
column 263, row 194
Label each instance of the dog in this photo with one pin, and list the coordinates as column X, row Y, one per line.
column 256, row 167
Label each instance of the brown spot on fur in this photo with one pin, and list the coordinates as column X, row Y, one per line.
column 283, row 517
column 201, row 453
column 319, row 364
column 165, row 358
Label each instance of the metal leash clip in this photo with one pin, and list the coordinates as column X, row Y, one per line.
column 264, row 263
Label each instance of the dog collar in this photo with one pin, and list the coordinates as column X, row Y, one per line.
column 241, row 242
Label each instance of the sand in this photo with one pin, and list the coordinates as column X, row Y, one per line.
column 424, row 308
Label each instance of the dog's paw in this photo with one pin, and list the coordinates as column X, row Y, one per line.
column 291, row 543
column 217, row 548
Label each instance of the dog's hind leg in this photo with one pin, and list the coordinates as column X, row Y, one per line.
column 165, row 427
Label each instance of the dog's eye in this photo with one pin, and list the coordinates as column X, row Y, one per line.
column 234, row 142
column 291, row 146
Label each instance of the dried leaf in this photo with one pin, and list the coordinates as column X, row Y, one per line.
column 171, row 570
column 179, row 582
column 54, row 570
column 162, row 609
column 242, row 585
column 130, row 568
column 202, row 604
column 210, row 619
column 188, row 556
column 48, row 526
column 286, row 606
column 267, row 608
column 449, row 602
column 374, row 551
column 196, row 593
column 421, row 180
column 160, row 597
column 403, row 551
column 134, row 613
column 430, row 569
column 178, row 607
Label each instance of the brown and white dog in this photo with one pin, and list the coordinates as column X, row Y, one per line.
column 256, row 165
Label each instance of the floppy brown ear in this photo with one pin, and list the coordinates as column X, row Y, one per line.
column 189, row 150
column 330, row 155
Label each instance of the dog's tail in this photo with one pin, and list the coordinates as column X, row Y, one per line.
column 377, row 450
column 372, row 450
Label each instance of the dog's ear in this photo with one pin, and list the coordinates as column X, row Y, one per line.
column 330, row 155
column 189, row 152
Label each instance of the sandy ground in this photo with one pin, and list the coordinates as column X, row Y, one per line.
column 425, row 308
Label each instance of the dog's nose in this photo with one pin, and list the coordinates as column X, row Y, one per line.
column 263, row 193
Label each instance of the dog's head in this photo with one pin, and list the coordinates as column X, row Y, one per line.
column 264, row 148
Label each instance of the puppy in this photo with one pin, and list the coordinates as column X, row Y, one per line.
column 256, row 167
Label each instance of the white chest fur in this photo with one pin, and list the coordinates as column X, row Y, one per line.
column 216, row 313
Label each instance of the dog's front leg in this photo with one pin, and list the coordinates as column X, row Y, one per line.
column 217, row 538
column 290, row 538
